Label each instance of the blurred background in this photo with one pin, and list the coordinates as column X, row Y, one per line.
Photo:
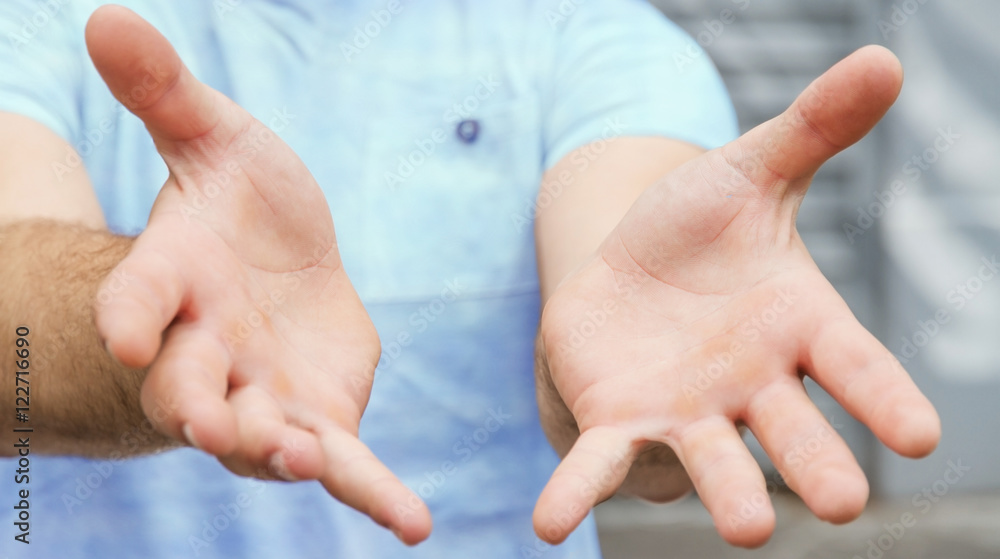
column 906, row 225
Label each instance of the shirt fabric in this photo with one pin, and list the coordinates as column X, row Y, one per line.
column 428, row 125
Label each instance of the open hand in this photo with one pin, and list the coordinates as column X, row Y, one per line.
column 701, row 312
column 259, row 350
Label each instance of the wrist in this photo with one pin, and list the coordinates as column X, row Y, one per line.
column 556, row 418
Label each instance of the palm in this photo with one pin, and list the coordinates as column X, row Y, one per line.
column 666, row 335
column 701, row 310
column 275, row 295
column 267, row 276
column 259, row 350
column 692, row 299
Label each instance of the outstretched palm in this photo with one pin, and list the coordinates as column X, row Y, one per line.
column 259, row 349
column 701, row 311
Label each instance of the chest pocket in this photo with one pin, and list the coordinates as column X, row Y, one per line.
column 450, row 181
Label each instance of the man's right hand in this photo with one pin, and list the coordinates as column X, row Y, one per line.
column 259, row 350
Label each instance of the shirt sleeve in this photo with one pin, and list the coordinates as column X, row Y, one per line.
column 42, row 62
column 620, row 68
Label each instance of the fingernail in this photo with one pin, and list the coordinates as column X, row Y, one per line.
column 189, row 435
column 398, row 533
column 280, row 469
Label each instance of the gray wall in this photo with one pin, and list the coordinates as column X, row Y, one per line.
column 901, row 271
column 935, row 237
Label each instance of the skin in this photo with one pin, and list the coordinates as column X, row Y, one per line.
column 265, row 347
column 713, row 311
column 230, row 324
column 231, row 310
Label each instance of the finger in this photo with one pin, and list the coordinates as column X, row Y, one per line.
column 144, row 72
column 808, row 452
column 205, row 138
column 728, row 481
column 833, row 113
column 861, row 374
column 135, row 303
column 184, row 393
column 591, row 472
column 267, row 446
column 358, row 479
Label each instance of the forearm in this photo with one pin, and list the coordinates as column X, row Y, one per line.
column 81, row 401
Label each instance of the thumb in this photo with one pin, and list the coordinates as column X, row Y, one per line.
column 147, row 76
column 834, row 112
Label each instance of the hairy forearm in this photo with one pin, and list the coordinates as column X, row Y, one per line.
column 81, row 401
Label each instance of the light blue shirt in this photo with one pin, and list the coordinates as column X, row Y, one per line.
column 429, row 126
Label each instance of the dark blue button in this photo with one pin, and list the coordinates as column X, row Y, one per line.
column 468, row 131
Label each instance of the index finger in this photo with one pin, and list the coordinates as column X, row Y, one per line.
column 360, row 480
